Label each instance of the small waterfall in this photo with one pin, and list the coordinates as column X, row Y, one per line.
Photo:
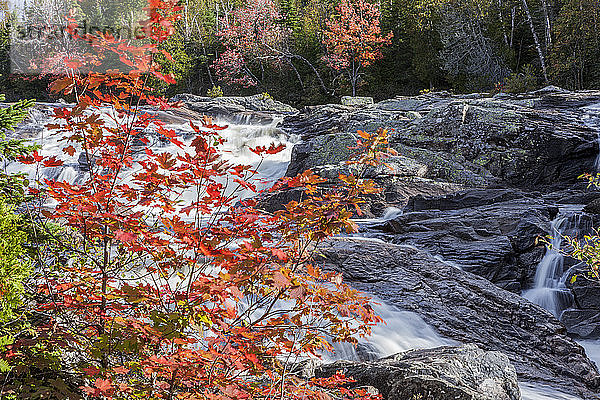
column 549, row 290
column 401, row 331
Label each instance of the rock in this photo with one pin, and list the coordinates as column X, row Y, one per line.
column 550, row 89
column 325, row 150
column 519, row 140
column 83, row 163
column 574, row 194
column 467, row 308
column 583, row 320
column 401, row 177
column 275, row 201
column 257, row 109
column 491, row 232
column 356, row 101
column 582, row 323
column 586, row 293
column 464, row 199
column 593, row 207
column 445, row 373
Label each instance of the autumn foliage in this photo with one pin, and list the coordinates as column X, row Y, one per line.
column 160, row 283
column 253, row 41
column 354, row 38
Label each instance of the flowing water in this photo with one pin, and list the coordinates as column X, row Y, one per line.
column 239, row 138
column 592, row 119
column 402, row 330
column 549, row 290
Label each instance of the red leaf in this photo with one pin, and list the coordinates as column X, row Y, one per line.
column 279, row 254
column 205, row 250
column 91, row 370
column 30, row 158
column 120, row 370
column 275, row 149
column 104, row 385
column 125, row 237
column 52, row 162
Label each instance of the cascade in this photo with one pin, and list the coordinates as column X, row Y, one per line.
column 402, row 330
column 547, row 290
column 240, row 137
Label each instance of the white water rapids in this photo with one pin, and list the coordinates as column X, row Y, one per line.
column 240, row 137
column 402, row 330
column 592, row 120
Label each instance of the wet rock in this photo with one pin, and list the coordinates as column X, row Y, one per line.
column 582, row 323
column 583, row 320
column 586, row 293
column 257, row 109
column 467, row 308
column 444, row 373
column 593, row 207
column 491, row 233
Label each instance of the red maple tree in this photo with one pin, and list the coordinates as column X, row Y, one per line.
column 254, row 40
column 162, row 284
column 353, row 38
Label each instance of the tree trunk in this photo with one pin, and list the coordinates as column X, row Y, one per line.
column 353, row 80
column 547, row 26
column 500, row 16
column 536, row 40
column 513, row 14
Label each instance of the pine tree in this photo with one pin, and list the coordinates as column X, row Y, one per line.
column 12, row 186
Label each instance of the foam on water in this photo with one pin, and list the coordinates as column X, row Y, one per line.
column 239, row 138
column 592, row 119
column 400, row 331
column 541, row 392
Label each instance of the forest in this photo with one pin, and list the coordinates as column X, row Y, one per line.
column 302, row 51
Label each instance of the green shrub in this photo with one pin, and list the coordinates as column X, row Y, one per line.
column 13, row 266
column 215, row 92
column 266, row 96
column 525, row 81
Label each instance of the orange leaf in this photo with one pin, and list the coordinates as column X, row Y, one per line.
column 69, row 150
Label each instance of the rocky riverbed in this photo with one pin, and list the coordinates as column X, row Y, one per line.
column 478, row 178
